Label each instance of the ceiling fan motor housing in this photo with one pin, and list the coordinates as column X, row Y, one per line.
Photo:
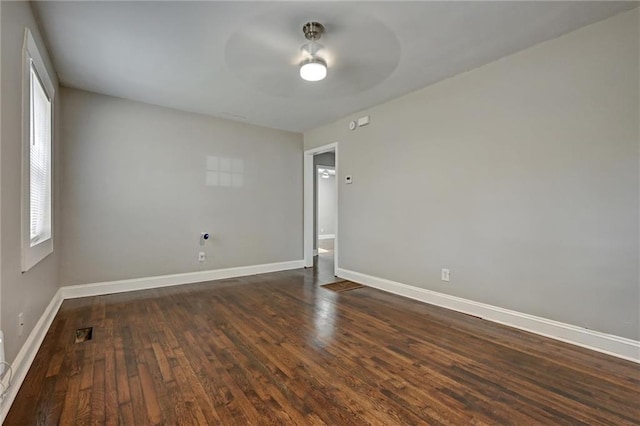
column 313, row 30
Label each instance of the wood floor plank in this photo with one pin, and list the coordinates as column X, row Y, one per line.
column 203, row 407
column 137, row 401
column 110, row 387
column 149, row 394
column 98, row 393
column 125, row 414
column 69, row 406
column 279, row 349
column 122, row 383
column 83, row 407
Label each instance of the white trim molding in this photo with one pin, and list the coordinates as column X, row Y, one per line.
column 121, row 286
column 22, row 362
column 606, row 343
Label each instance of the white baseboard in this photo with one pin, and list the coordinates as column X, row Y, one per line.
column 21, row 364
column 109, row 287
column 607, row 343
column 27, row 354
column 326, row 236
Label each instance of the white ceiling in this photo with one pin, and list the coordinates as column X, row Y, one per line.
column 237, row 60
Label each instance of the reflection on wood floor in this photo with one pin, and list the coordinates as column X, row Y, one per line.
column 324, row 261
column 279, row 349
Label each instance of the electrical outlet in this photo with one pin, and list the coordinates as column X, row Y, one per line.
column 445, row 275
column 20, row 323
column 201, row 257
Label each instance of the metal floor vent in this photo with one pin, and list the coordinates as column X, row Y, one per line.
column 84, row 334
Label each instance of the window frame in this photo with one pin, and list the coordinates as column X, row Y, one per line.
column 31, row 56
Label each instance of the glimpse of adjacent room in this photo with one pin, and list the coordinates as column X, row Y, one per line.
column 326, row 199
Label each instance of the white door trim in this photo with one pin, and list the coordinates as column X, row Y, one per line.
column 308, row 202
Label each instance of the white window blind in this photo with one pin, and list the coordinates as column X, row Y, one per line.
column 40, row 161
column 38, row 100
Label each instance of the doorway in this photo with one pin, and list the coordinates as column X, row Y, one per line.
column 321, row 233
column 325, row 211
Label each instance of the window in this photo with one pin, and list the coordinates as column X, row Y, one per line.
column 40, row 162
column 38, row 91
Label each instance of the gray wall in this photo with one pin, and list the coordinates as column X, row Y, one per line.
column 521, row 177
column 134, row 198
column 327, row 198
column 32, row 291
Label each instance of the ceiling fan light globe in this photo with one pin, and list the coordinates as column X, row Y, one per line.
column 314, row 69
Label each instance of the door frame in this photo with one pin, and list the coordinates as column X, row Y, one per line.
column 309, row 194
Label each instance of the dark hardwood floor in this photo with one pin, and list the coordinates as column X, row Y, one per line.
column 278, row 349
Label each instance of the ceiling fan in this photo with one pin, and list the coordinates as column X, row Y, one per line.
column 330, row 58
column 313, row 66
